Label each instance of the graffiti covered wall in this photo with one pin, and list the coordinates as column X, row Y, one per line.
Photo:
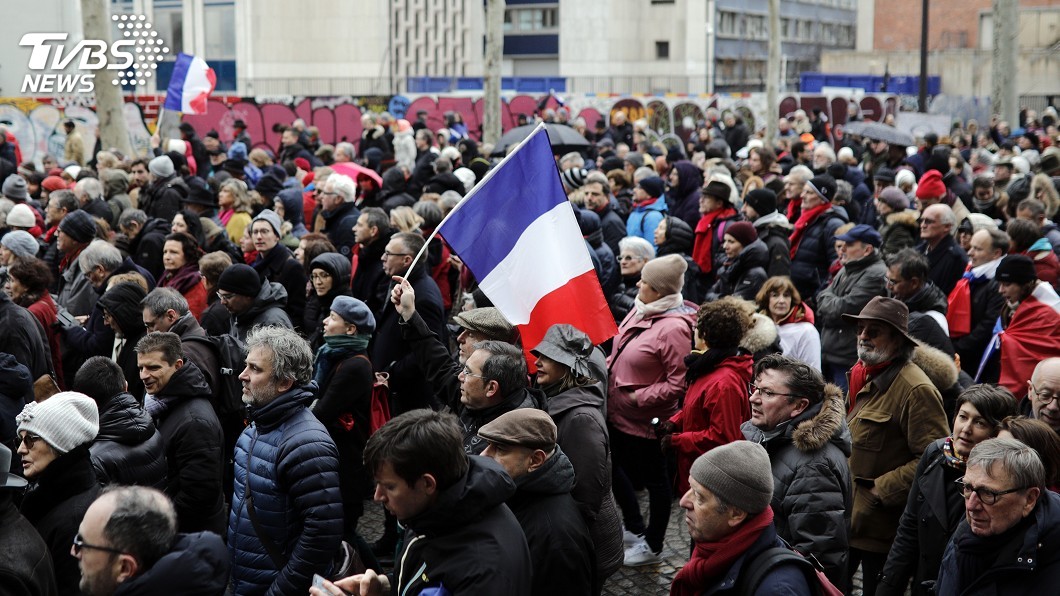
column 36, row 122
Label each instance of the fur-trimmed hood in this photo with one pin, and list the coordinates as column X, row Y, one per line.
column 939, row 368
column 762, row 334
column 828, row 424
column 906, row 218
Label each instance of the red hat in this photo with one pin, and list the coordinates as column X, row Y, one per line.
column 930, row 186
column 303, row 164
column 53, row 183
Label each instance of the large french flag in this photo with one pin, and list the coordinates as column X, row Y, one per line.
column 192, row 82
column 518, row 234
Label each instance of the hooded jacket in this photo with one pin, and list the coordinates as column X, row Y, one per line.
column 683, row 200
column 812, row 492
column 196, row 564
column 116, row 189
column 293, row 210
column 775, row 230
column 23, row 337
column 146, row 249
column 278, row 265
column 128, row 449
column 338, row 225
column 266, row 310
column 194, row 454
column 392, row 194
column 744, row 275
column 927, row 314
column 854, row 286
column 467, row 540
column 561, row 551
column 582, row 430
column 899, row 230
column 288, row 462
column 161, row 199
column 123, row 303
column 815, row 253
column 643, row 220
column 318, row 307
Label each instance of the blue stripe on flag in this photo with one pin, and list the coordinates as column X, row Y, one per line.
column 175, row 91
column 526, row 186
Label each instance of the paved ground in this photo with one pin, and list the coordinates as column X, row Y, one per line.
column 627, row 581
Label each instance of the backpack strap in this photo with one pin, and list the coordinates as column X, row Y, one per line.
column 756, row 570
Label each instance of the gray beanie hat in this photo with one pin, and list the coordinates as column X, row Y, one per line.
column 15, row 188
column 272, row 218
column 739, row 473
column 665, row 274
column 64, row 420
column 161, row 166
column 21, row 243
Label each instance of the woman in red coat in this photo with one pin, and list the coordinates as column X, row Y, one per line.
column 180, row 259
column 716, row 403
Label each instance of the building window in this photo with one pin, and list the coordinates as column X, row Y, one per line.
column 662, row 50
column 525, row 20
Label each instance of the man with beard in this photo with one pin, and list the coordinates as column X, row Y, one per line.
column 894, row 413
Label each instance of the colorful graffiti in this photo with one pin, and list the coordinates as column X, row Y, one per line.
column 36, row 122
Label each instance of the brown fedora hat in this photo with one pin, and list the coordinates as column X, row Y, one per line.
column 885, row 310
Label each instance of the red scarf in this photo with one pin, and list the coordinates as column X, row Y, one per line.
column 959, row 307
column 703, row 246
column 799, row 314
column 645, row 202
column 805, row 219
column 710, row 560
column 859, row 375
column 68, row 259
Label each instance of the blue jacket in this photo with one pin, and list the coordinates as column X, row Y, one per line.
column 294, row 477
column 816, row 252
column 642, row 221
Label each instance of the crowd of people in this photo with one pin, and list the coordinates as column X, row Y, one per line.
column 837, row 354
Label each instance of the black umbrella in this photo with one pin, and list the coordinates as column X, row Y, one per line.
column 564, row 139
column 880, row 132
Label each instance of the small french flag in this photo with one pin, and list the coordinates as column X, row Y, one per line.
column 190, row 86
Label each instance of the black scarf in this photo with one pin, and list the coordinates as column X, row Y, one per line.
column 703, row 363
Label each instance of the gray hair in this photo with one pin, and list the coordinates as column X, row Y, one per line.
column 801, row 172
column 643, row 172
column 143, row 523
column 132, row 215
column 946, row 215
column 292, row 358
column 572, row 160
column 343, row 186
column 89, row 187
column 99, row 252
column 347, row 149
column 638, row 246
column 1021, row 462
column 160, row 300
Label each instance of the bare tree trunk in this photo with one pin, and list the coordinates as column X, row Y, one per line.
column 773, row 72
column 1003, row 90
column 491, row 113
column 109, row 102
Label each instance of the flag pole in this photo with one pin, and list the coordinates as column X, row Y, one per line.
column 470, row 193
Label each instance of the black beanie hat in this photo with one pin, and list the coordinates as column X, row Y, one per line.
column 718, row 190
column 1017, row 269
column 269, row 186
column 240, row 279
column 762, row 200
column 79, row 225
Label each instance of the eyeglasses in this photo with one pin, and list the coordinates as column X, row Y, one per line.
column 627, row 258
column 225, row 297
column 752, row 389
column 869, row 331
column 987, row 496
column 29, row 440
column 928, row 222
column 387, row 253
column 80, row 544
column 467, row 373
column 1044, row 396
column 320, row 276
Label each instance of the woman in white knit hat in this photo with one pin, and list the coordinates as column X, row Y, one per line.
column 54, row 436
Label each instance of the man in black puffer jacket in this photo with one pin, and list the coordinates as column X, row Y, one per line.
column 128, row 448
column 286, row 518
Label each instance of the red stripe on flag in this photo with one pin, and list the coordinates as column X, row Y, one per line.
column 580, row 302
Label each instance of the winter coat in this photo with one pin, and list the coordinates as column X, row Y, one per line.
column 123, row 303
column 713, row 408
column 198, row 352
column 1028, row 563
column 194, row 454
column 146, row 249
column 927, row 314
column 582, row 432
column 128, row 449
column 76, row 293
column 934, row 509
column 468, row 540
column 622, row 301
column 647, row 369
column 896, row 416
column 338, row 225
column 561, row 551
column 268, row 309
column 946, row 262
column 24, row 338
column 55, row 504
column 744, row 275
column 196, row 564
column 317, row 308
column 370, row 284
column 288, row 462
column 408, row 384
column 25, row 564
column 278, row 265
column 799, row 337
column 775, row 231
column 785, row 580
column 815, row 253
column 46, row 312
column 683, row 201
column 812, row 492
column 613, row 227
column 854, row 286
column 899, row 230
column 161, row 199
column 986, row 306
column 643, row 220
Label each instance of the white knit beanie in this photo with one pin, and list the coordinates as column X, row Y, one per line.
column 64, row 420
